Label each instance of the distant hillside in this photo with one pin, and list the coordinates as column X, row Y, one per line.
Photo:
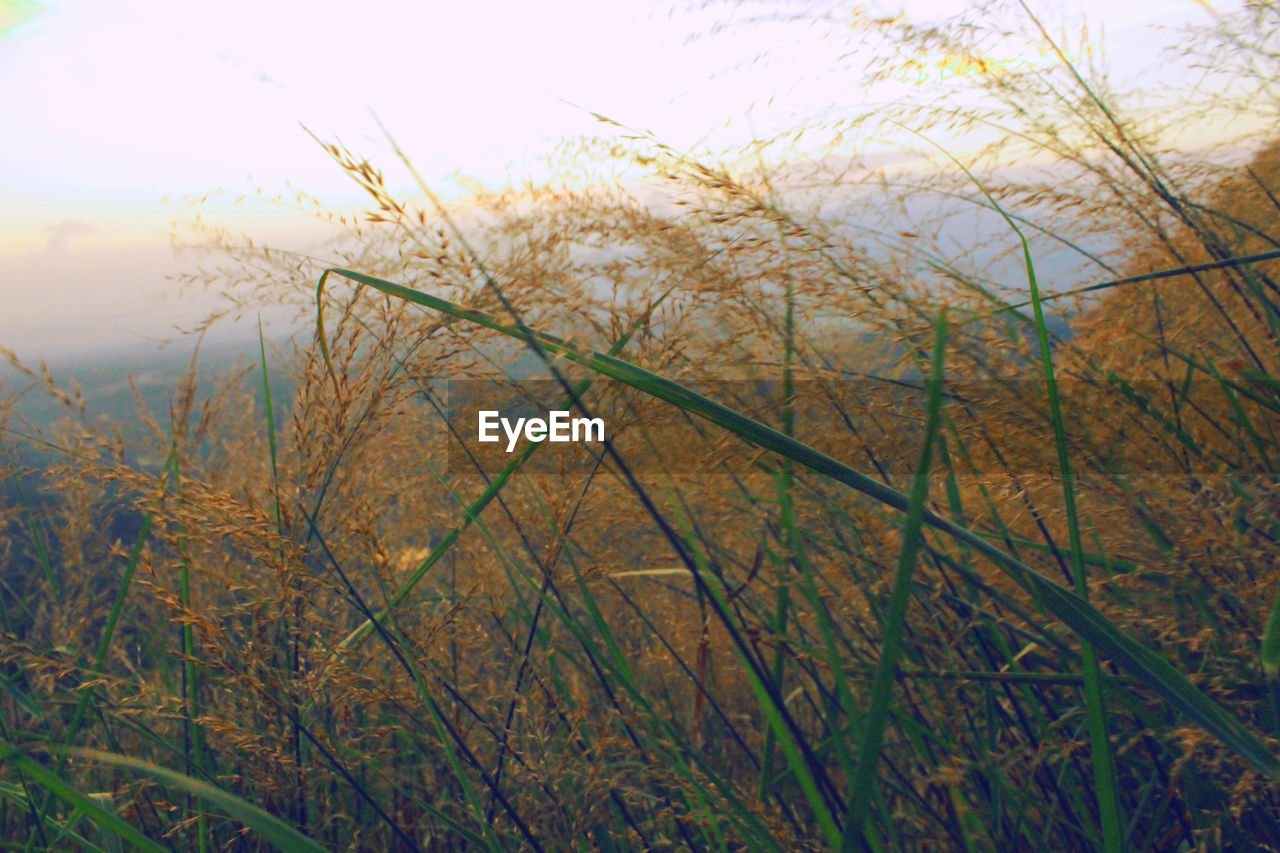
column 105, row 383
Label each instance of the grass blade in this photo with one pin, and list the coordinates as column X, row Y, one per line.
column 1149, row 668
column 269, row 827
column 864, row 781
column 60, row 788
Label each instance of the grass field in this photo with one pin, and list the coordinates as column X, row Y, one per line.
column 890, row 548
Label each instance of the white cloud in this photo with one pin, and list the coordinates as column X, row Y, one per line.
column 61, row 234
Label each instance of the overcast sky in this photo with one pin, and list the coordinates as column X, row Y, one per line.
column 116, row 108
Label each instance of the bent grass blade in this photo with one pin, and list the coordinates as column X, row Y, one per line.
column 1149, row 668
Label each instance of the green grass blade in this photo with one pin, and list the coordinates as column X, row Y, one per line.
column 1151, row 669
column 60, row 788
column 1104, row 772
column 269, row 827
column 18, row 695
column 863, row 783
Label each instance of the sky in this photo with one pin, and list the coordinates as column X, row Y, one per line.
column 116, row 110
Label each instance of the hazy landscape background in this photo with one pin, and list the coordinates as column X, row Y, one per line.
column 126, row 113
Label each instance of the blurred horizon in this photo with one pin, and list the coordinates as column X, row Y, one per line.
column 128, row 113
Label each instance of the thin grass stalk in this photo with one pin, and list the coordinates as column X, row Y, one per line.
column 767, row 703
column 192, row 739
column 1174, row 272
column 862, row 786
column 794, row 743
column 104, row 644
column 452, row 740
column 788, row 535
column 42, row 548
column 533, row 620
column 290, row 623
column 1153, row 670
column 1104, row 773
column 473, row 510
column 611, row 660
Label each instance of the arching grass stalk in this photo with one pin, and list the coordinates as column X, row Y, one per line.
column 267, row 826
column 1074, row 611
column 1226, row 263
column 55, row 786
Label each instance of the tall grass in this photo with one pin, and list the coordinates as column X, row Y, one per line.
column 874, row 558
